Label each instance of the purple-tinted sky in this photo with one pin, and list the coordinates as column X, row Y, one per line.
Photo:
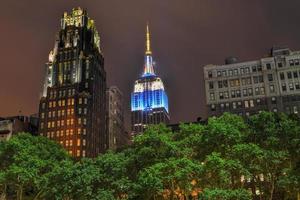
column 186, row 35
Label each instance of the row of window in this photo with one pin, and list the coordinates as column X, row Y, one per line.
column 242, row 104
column 61, row 113
column 61, row 93
column 239, row 82
column 60, row 103
column 247, row 70
column 63, row 133
column 237, row 93
column 289, row 75
column 291, row 86
column 61, row 123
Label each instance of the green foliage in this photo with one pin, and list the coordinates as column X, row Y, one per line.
column 229, row 158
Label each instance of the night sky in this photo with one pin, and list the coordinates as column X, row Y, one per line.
column 186, row 35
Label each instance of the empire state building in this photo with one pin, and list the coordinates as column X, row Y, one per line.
column 149, row 101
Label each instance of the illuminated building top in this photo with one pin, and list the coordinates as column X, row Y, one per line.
column 149, row 92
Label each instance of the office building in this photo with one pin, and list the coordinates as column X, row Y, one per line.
column 72, row 108
column 149, row 100
column 245, row 88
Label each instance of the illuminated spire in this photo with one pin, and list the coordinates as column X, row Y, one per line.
column 148, row 69
column 148, row 48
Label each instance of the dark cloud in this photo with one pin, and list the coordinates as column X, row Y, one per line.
column 186, row 35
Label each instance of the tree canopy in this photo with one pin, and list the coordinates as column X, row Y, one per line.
column 229, row 158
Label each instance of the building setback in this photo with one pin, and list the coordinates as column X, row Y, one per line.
column 149, row 101
column 116, row 132
column 245, row 88
column 72, row 108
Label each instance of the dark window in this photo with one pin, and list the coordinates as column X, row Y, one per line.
column 297, row 62
column 221, row 95
column 253, row 68
column 289, row 75
column 238, row 93
column 220, row 84
column 270, row 77
column 295, row 74
column 250, row 91
column 279, row 64
column 210, row 74
column 259, row 68
column 268, row 66
column 297, row 86
column 291, row 62
column 225, row 83
column 273, row 100
column 211, row 85
column 281, row 76
column 260, row 79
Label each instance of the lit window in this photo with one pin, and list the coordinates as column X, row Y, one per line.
column 59, row 103
column 85, row 111
column 72, row 101
column 63, row 102
column 251, row 103
column 84, row 131
column 42, row 125
column 246, row 104
column 43, row 105
column 68, row 112
column 49, row 114
column 67, row 143
column 84, row 121
column 61, row 133
column 57, row 133
column 70, row 152
column 79, row 131
column 83, row 153
column 85, row 100
column 53, row 124
column 83, row 142
column 50, row 104
column 54, row 104
column 43, row 115
column 72, row 111
column 63, row 113
column 78, row 153
column 78, row 142
column 67, row 132
column 71, row 131
column 79, row 120
column 80, row 101
column 72, row 121
column 58, row 113
column 58, row 123
column 62, row 123
column 79, row 110
column 71, row 143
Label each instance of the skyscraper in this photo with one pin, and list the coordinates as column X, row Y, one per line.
column 73, row 104
column 149, row 101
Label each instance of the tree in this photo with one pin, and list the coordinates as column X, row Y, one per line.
column 26, row 162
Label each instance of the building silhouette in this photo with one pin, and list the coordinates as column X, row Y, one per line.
column 72, row 108
column 149, row 101
column 116, row 131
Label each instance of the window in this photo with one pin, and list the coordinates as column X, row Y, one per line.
column 250, row 91
column 279, row 65
column 295, row 109
column 78, row 153
column 291, row 86
column 254, row 68
column 83, row 153
column 211, row 85
column 43, row 115
column 235, row 72
column 209, row 74
column 296, row 61
column 262, row 90
column 225, row 83
column 291, row 62
column 251, row 103
column 84, row 131
column 270, row 77
column 234, row 105
column 219, row 73
column 283, row 86
column 238, row 93
column 256, row 91
column 272, row 88
column 282, row 76
column 224, row 73
column 268, row 65
column 83, row 142
column 78, row 142
column 245, row 92
column 259, row 68
column 297, row 86
column 232, row 94
column 226, row 95
column 221, row 95
column 85, row 101
column 79, row 120
column 79, row 110
column 289, row 75
column 273, row 99
column 246, row 104
column 295, row 74
column 220, row 84
column 86, row 85
column 42, row 125
column 213, row 107
column 230, row 72
column 80, row 101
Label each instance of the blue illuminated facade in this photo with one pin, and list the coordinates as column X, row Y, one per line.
column 149, row 101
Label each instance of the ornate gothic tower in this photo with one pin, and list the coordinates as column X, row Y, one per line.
column 149, row 101
column 72, row 107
